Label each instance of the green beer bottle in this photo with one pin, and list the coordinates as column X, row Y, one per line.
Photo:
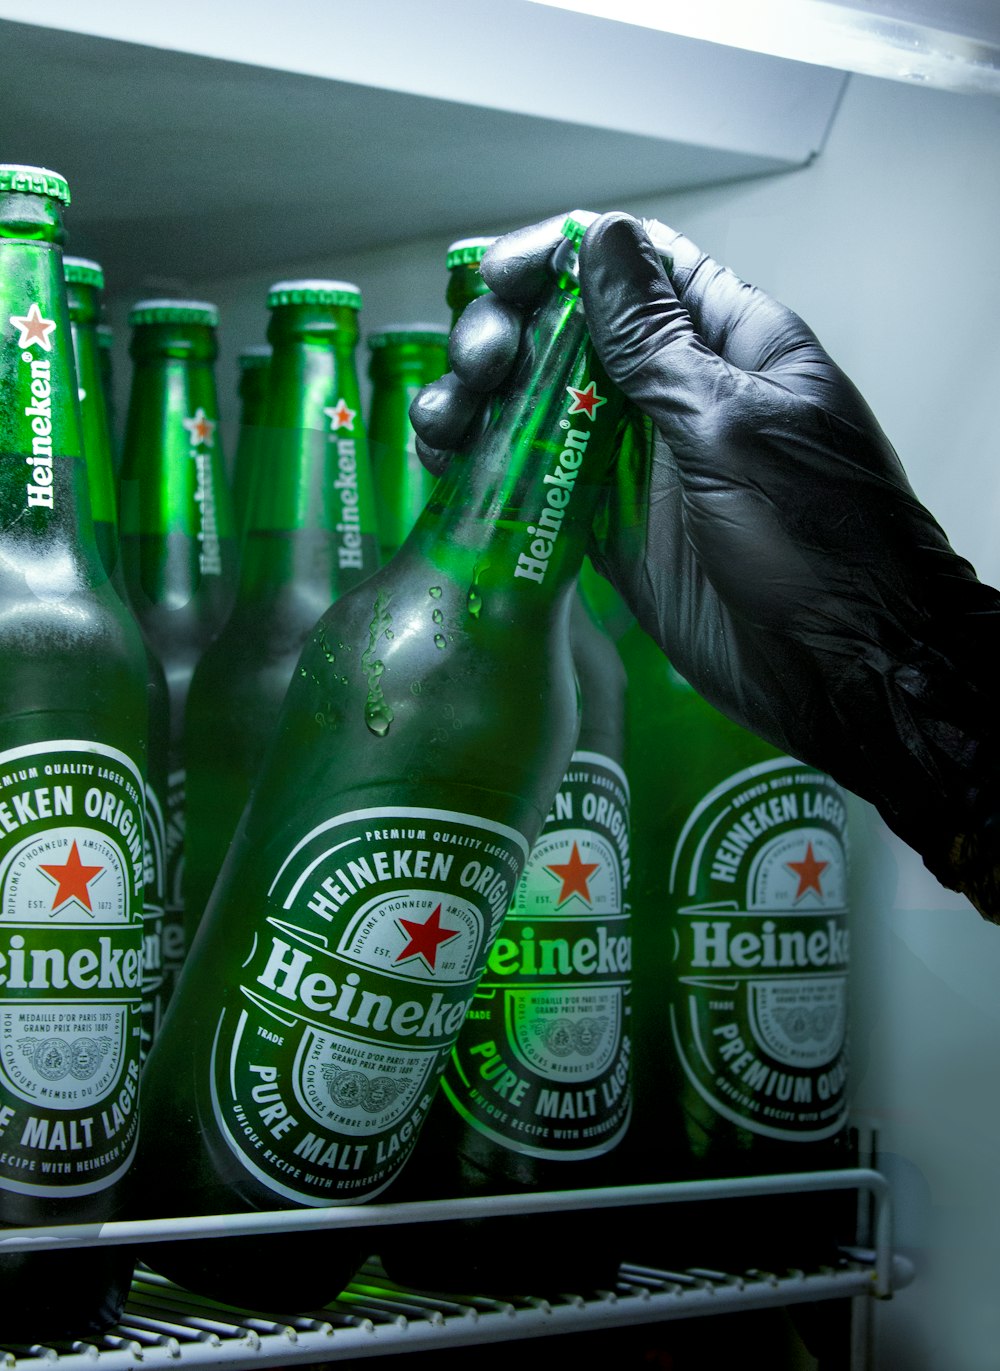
column 253, row 364
column 106, row 362
column 310, row 536
column 404, row 357
column 465, row 282
column 422, row 740
column 537, row 1094
column 72, row 754
column 84, row 282
column 178, row 545
column 740, row 891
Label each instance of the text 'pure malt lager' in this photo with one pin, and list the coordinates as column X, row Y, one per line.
column 72, row 753
column 537, row 1094
column 178, row 545
column 253, row 364
column 84, row 283
column 421, row 743
column 743, row 946
column 310, row 536
column 404, row 357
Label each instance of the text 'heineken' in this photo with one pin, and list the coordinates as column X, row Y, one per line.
column 73, row 714
column 424, row 735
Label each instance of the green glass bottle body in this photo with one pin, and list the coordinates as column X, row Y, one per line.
column 741, row 938
column 404, row 357
column 84, row 282
column 106, row 363
column 253, row 364
column 178, row 544
column 310, row 537
column 421, row 742
column 72, row 755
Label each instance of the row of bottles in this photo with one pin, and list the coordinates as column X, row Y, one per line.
column 456, row 719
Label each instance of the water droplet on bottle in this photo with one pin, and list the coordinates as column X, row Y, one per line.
column 474, row 602
column 302, row 672
column 435, row 592
column 438, row 617
column 415, row 687
column 378, row 712
column 439, row 640
column 378, row 717
column 389, row 633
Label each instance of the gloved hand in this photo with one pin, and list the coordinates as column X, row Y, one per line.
column 762, row 530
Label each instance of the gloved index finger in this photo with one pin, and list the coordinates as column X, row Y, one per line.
column 516, row 266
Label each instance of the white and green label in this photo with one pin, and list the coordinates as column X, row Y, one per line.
column 542, row 1065
column 352, row 992
column 761, row 944
column 72, row 870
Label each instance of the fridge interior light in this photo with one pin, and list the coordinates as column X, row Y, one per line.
column 823, row 33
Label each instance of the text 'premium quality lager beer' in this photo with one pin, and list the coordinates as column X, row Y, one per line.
column 178, row 546
column 72, row 744
column 420, row 746
column 310, row 536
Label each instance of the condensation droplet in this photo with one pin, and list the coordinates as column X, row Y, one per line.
column 435, row 592
column 439, row 640
column 438, row 617
column 474, row 602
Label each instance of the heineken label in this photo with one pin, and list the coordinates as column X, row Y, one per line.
column 72, row 870
column 759, row 996
column 542, row 1064
column 155, row 987
column 353, row 989
column 174, row 940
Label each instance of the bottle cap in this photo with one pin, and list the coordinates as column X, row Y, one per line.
column 314, row 293
column 467, row 252
column 173, row 312
column 396, row 335
column 33, row 181
column 256, row 356
column 82, row 271
column 578, row 221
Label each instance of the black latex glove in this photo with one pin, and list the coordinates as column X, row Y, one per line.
column 762, row 530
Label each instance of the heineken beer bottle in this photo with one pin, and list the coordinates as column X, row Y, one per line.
column 178, row 546
column 404, row 357
column 105, row 359
column 253, row 364
column 72, row 745
column 540, row 1075
column 426, row 729
column 742, row 946
column 84, row 283
column 310, row 536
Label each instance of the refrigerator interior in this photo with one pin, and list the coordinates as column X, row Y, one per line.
column 876, row 221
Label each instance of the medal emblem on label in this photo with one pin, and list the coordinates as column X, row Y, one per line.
column 759, row 902
column 71, row 936
column 542, row 1064
column 360, row 973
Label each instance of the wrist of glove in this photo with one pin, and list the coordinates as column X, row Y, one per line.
column 762, row 530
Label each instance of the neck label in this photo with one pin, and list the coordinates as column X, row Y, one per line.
column 34, row 330
column 201, row 438
column 350, row 548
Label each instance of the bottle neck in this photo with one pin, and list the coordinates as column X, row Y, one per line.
column 402, row 483
column 84, row 313
column 45, row 523
column 515, row 514
column 311, row 513
column 174, row 494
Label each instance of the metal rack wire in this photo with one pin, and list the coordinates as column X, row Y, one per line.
column 166, row 1327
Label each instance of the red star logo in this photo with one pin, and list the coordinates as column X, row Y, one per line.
column 201, row 428
column 340, row 416
column 585, row 401
column 575, row 876
column 34, row 328
column 425, row 938
column 808, row 871
column 72, row 879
